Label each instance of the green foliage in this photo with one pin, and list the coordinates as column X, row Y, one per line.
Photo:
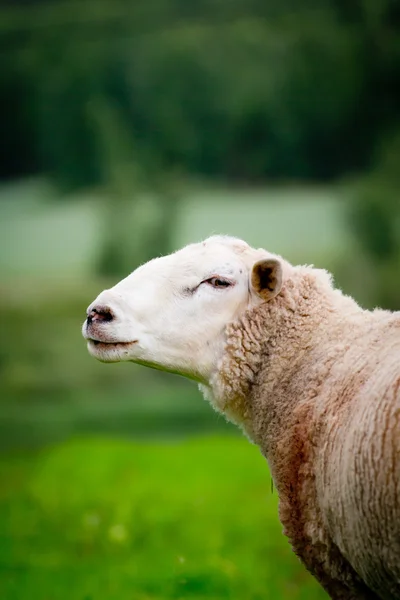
column 375, row 220
column 377, row 208
column 131, row 185
column 132, row 97
column 99, row 519
column 240, row 89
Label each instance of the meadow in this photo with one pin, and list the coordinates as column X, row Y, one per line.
column 103, row 519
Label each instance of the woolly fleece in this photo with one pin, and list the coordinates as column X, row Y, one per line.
column 314, row 380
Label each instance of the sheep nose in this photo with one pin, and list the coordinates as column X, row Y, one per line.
column 100, row 314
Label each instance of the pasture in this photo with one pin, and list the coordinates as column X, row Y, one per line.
column 100, row 519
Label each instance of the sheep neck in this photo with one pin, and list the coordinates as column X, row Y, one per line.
column 266, row 346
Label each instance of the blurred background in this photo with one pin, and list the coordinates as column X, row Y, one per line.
column 130, row 128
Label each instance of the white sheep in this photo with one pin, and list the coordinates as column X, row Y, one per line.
column 311, row 378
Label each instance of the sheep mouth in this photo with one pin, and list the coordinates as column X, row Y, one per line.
column 100, row 344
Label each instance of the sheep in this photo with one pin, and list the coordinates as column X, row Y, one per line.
column 311, row 378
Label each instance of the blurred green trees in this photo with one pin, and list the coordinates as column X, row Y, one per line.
column 132, row 97
column 242, row 89
column 375, row 219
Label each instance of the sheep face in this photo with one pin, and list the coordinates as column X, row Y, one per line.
column 171, row 313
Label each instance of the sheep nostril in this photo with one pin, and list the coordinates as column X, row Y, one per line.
column 100, row 313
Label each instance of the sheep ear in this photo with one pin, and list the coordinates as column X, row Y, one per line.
column 266, row 278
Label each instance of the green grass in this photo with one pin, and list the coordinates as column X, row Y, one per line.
column 98, row 519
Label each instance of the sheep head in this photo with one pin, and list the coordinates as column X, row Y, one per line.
column 171, row 313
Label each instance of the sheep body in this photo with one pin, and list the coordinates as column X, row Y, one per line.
column 314, row 380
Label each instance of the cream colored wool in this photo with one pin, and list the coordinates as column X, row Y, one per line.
column 311, row 378
column 314, row 380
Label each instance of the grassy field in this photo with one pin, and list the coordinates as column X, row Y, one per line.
column 99, row 519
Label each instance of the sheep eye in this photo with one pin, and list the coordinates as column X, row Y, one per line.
column 217, row 282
